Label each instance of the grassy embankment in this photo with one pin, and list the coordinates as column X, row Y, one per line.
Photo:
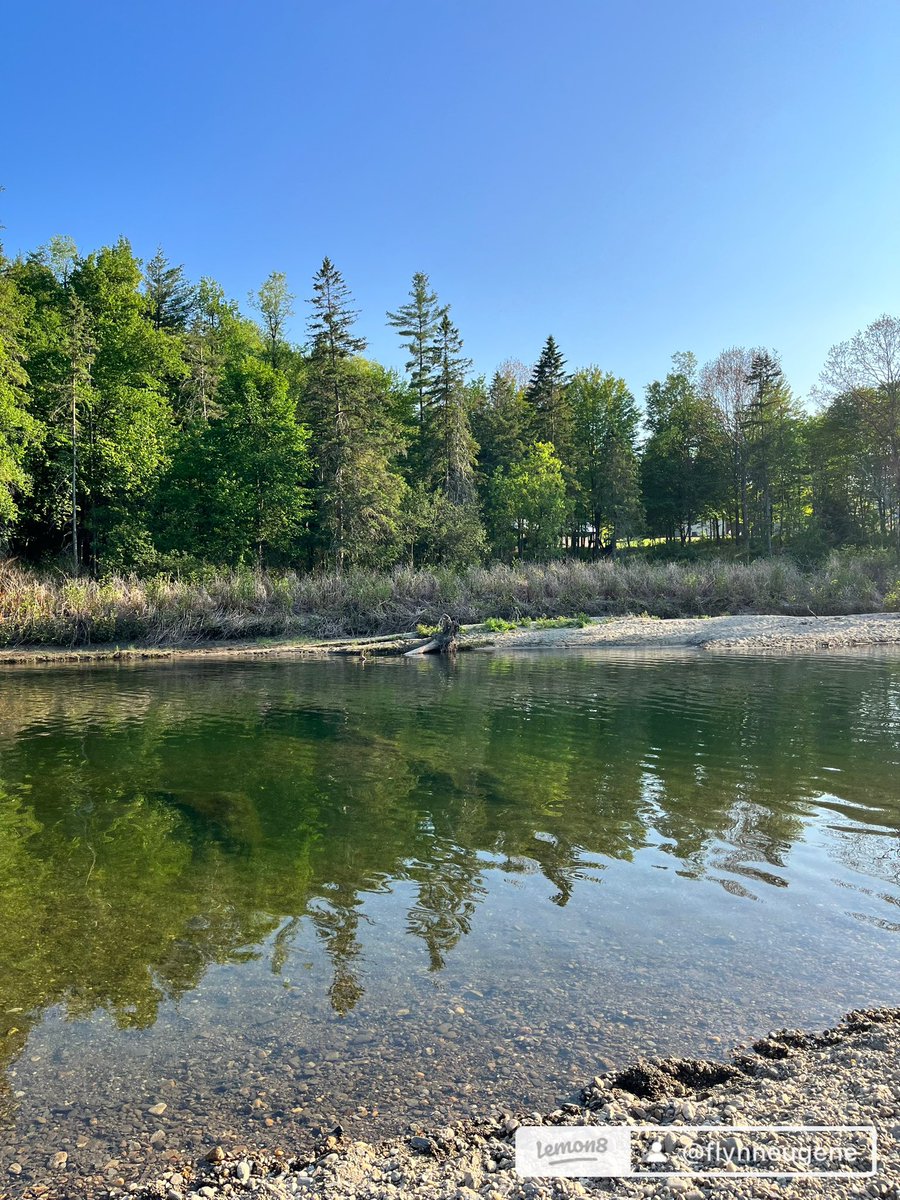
column 51, row 609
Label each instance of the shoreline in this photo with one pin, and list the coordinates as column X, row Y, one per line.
column 748, row 633
column 845, row 1075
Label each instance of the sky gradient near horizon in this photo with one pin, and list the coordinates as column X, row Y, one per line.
column 634, row 178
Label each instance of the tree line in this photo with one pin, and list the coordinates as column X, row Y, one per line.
column 147, row 423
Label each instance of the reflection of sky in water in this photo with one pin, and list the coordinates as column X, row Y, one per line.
column 481, row 880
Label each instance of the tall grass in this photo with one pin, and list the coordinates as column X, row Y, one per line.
column 52, row 609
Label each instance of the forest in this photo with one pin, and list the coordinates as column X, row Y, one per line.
column 148, row 424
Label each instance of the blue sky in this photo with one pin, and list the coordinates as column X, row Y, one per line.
column 635, row 178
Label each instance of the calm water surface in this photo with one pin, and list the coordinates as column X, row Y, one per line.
column 276, row 895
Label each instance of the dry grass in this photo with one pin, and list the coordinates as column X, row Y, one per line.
column 53, row 609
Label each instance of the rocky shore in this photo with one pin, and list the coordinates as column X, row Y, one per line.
column 848, row 1075
column 748, row 633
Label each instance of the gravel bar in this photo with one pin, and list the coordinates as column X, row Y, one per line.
column 847, row 1075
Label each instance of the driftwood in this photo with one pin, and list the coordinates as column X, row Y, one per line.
column 445, row 641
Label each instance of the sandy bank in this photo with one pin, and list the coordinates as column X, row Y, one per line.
column 750, row 633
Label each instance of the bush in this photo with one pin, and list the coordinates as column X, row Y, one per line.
column 200, row 604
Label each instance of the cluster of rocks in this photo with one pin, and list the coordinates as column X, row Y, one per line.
column 845, row 1076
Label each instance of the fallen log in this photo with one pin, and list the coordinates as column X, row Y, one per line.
column 445, row 641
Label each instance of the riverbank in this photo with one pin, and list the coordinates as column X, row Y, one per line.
column 50, row 609
column 749, row 633
column 844, row 1076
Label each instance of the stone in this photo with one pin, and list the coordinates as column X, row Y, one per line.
column 59, row 1160
column 242, row 1170
column 157, row 1110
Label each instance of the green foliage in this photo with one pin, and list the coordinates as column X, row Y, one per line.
column 606, row 465
column 417, row 323
column 146, row 422
column 170, row 298
column 188, row 600
column 358, row 434
column 237, row 485
column 532, row 498
column 683, row 470
column 19, row 431
column 499, row 625
column 275, row 304
column 548, row 397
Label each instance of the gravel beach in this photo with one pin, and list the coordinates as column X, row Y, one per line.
column 847, row 1075
column 748, row 633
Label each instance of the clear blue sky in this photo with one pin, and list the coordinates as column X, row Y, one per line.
column 636, row 178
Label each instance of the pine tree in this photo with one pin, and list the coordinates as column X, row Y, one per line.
column 500, row 423
column 764, row 377
column 452, row 448
column 547, row 395
column 417, row 322
column 218, row 335
column 455, row 534
column 356, row 436
column 170, row 298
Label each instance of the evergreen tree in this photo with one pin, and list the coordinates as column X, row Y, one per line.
column 417, row 323
column 170, row 298
column 765, row 378
column 217, row 335
column 500, row 423
column 357, row 438
column 548, row 396
column 452, row 449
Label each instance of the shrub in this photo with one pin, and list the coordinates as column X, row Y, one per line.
column 197, row 603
